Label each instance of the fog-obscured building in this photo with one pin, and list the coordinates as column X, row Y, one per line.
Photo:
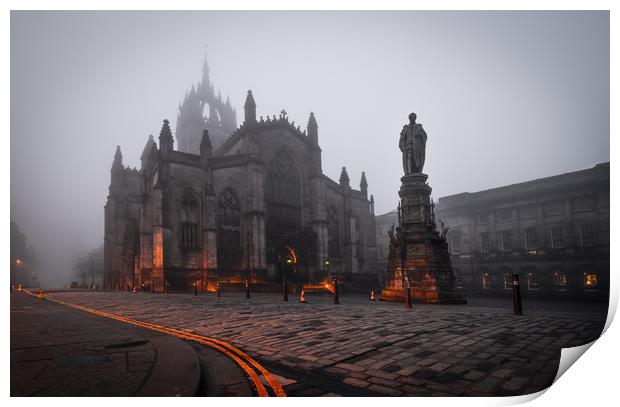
column 554, row 232
column 235, row 209
column 23, row 260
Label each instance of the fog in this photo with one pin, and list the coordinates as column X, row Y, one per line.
column 505, row 97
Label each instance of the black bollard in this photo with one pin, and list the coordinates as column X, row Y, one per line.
column 195, row 289
column 336, row 299
column 247, row 289
column 408, row 294
column 166, row 286
column 219, row 289
column 516, row 295
column 285, row 288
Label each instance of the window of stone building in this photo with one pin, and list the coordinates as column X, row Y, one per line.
column 530, row 240
column 228, row 232
column 486, row 281
column 507, row 280
column 505, row 240
column 528, row 212
column 590, row 280
column 560, row 280
column 189, row 222
column 454, row 241
column 504, row 215
column 532, row 281
column 483, row 218
column 587, row 234
column 485, row 246
column 283, row 190
column 557, row 237
column 333, row 232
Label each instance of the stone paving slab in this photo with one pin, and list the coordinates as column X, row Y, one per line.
column 368, row 348
column 59, row 351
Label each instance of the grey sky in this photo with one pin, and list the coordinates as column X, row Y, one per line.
column 504, row 97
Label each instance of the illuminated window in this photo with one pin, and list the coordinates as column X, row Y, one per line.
column 557, row 237
column 189, row 222
column 530, row 238
column 484, row 242
column 532, row 281
column 486, row 281
column 505, row 240
column 560, row 281
column 587, row 234
column 507, row 281
column 590, row 280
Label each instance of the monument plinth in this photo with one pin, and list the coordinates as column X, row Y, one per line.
column 418, row 256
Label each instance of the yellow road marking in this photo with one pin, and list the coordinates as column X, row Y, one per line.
column 237, row 355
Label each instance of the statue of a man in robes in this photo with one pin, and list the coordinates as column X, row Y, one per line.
column 413, row 146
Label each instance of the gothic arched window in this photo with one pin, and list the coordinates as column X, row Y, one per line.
column 333, row 232
column 228, row 231
column 189, row 221
column 283, row 201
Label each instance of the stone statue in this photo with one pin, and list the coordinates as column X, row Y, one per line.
column 413, row 146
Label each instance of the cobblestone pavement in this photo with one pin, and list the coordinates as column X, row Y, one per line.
column 57, row 351
column 364, row 348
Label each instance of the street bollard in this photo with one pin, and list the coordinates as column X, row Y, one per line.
column 285, row 289
column 336, row 299
column 302, row 297
column 219, row 289
column 166, row 286
column 195, row 289
column 372, row 295
column 516, row 295
column 247, row 289
column 408, row 294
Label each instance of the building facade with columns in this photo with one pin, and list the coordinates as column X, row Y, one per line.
column 234, row 209
column 554, row 232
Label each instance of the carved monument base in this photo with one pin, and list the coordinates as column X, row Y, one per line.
column 418, row 252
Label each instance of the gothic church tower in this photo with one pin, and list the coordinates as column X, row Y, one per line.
column 202, row 109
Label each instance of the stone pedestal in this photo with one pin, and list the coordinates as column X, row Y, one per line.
column 418, row 251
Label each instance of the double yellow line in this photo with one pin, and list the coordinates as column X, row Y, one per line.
column 249, row 365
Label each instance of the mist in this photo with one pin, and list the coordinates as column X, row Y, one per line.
column 504, row 97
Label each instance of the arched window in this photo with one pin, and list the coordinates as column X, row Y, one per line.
column 333, row 232
column 189, row 221
column 283, row 201
column 560, row 280
column 228, row 231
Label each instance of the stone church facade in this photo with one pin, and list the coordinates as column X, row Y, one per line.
column 234, row 208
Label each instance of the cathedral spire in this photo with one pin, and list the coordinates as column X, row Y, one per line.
column 250, row 109
column 344, row 178
column 166, row 142
column 313, row 129
column 364, row 184
column 205, row 72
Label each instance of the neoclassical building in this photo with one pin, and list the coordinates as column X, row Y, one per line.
column 233, row 208
column 554, row 232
